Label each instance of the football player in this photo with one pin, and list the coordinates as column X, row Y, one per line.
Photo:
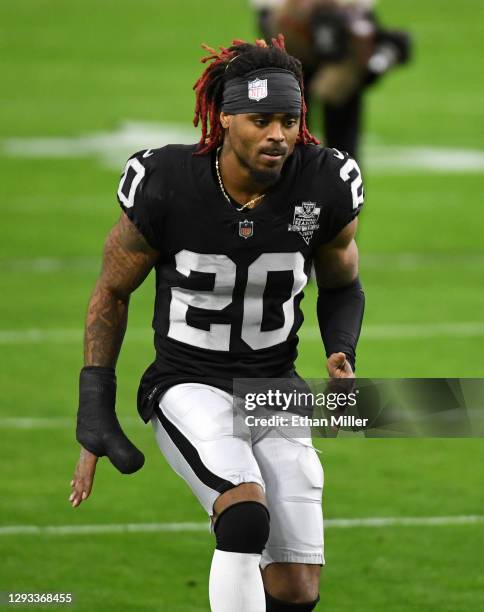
column 231, row 226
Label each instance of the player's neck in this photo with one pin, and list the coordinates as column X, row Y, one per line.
column 237, row 180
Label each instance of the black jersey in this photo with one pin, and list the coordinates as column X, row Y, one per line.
column 229, row 282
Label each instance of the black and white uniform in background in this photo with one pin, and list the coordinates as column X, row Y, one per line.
column 228, row 289
column 344, row 37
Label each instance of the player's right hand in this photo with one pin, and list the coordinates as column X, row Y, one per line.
column 83, row 478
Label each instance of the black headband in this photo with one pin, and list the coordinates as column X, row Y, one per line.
column 266, row 90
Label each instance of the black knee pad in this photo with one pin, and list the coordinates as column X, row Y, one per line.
column 243, row 528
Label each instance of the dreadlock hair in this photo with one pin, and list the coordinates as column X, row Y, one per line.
column 228, row 63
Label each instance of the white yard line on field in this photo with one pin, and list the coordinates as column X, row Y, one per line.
column 393, row 331
column 49, row 265
column 377, row 522
column 107, row 528
column 52, row 422
column 113, row 148
column 404, row 261
column 409, row 331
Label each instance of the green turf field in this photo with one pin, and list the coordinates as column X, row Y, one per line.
column 71, row 69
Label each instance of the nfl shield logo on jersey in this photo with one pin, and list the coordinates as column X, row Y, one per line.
column 246, row 229
column 257, row 89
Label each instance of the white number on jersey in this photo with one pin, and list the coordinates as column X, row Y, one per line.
column 349, row 167
column 254, row 292
column 139, row 172
column 218, row 336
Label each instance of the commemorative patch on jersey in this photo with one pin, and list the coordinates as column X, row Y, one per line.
column 246, row 228
column 258, row 89
column 305, row 222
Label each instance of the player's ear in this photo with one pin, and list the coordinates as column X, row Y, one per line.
column 225, row 120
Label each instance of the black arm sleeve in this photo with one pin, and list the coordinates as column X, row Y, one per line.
column 340, row 314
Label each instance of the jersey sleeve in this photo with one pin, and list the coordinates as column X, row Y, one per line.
column 141, row 197
column 343, row 193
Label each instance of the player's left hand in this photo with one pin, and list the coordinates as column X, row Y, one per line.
column 83, row 478
column 339, row 367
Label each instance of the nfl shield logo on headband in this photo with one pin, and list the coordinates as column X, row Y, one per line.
column 257, row 89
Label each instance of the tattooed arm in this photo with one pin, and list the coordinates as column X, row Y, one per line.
column 127, row 261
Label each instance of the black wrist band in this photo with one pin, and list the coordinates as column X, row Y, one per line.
column 340, row 314
column 97, row 400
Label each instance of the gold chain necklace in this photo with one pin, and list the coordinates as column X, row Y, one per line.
column 250, row 204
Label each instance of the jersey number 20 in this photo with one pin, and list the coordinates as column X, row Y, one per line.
column 217, row 337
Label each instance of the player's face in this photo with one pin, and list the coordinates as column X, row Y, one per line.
column 261, row 142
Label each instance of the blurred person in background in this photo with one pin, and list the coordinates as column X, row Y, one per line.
column 343, row 49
